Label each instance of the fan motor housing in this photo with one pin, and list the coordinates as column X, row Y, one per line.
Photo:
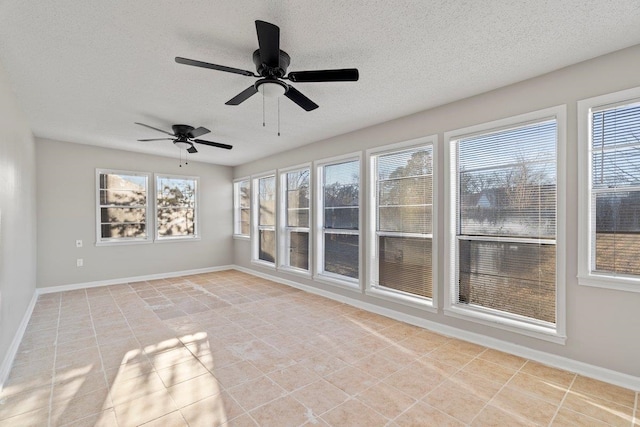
column 179, row 130
column 266, row 71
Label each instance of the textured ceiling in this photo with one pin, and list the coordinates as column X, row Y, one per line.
column 85, row 71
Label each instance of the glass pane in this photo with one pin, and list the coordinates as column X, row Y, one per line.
column 130, row 230
column 615, row 126
column 123, row 197
column 616, row 168
column 298, row 189
column 298, row 217
column 245, row 217
column 517, row 278
column 267, row 245
column 299, row 250
column 406, row 219
column 173, row 222
column 618, row 232
column 345, row 218
column 341, row 184
column 267, row 200
column 116, row 215
column 123, row 182
column 414, row 162
column 176, row 192
column 405, row 265
column 405, row 191
column 245, row 195
column 341, row 254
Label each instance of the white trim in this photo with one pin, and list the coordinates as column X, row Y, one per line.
column 236, row 207
column 123, row 280
column 196, row 213
column 12, row 351
column 318, row 224
column 255, row 216
column 282, row 247
column 149, row 220
column 560, row 362
column 557, row 113
column 586, row 276
column 371, row 250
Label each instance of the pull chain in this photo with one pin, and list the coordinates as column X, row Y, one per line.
column 263, row 109
column 278, row 116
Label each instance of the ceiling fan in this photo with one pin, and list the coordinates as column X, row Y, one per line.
column 184, row 136
column 271, row 66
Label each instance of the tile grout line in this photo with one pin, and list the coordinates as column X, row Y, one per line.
column 53, row 369
column 566, row 393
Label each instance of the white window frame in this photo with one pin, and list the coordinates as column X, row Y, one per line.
column 237, row 232
column 255, row 216
column 486, row 317
column 318, row 202
column 371, row 288
column 196, row 214
column 586, row 276
column 149, row 220
column 283, row 246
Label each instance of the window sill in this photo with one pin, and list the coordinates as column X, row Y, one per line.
column 617, row 283
column 421, row 303
column 297, row 271
column 178, row 239
column 335, row 280
column 242, row 237
column 532, row 330
column 124, row 242
column 265, row 264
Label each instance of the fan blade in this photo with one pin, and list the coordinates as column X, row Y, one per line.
column 198, row 132
column 156, row 139
column 343, row 75
column 213, row 144
column 192, row 150
column 242, row 96
column 201, row 64
column 151, row 127
column 269, row 42
column 297, row 97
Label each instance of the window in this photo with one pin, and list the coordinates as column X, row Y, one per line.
column 610, row 190
column 122, row 206
column 339, row 221
column 402, row 219
column 242, row 208
column 265, row 219
column 295, row 198
column 503, row 222
column 176, row 202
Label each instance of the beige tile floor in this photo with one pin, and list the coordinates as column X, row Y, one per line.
column 231, row 349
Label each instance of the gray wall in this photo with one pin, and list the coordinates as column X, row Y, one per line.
column 17, row 215
column 67, row 212
column 602, row 325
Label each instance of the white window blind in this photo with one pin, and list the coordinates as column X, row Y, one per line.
column 122, row 206
column 296, row 228
column 404, row 205
column 341, row 213
column 267, row 218
column 176, row 207
column 506, row 221
column 615, row 189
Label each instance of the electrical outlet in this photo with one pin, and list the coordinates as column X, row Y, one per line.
column 78, row 243
column 79, row 262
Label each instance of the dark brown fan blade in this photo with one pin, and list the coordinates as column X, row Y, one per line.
column 157, row 139
column 269, row 42
column 343, row 75
column 201, row 64
column 213, row 144
column 192, row 150
column 297, row 97
column 151, row 127
column 198, row 132
column 242, row 96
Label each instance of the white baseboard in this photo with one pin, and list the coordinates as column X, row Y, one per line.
column 585, row 369
column 98, row 283
column 10, row 356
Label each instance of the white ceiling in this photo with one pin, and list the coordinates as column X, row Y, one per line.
column 85, row 71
